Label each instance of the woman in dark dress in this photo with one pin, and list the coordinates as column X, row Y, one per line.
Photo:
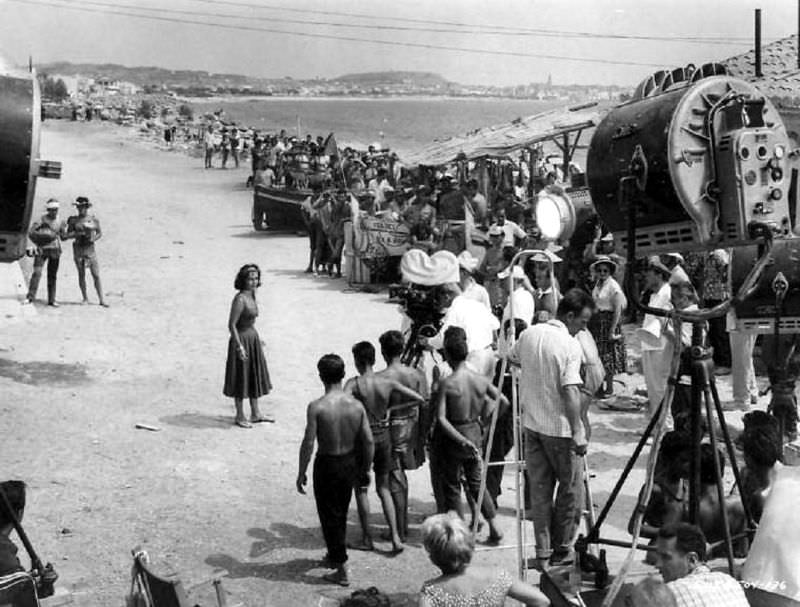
column 246, row 374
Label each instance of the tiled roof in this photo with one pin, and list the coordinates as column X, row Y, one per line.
column 781, row 76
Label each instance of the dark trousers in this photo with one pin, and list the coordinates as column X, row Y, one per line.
column 553, row 462
column 334, row 477
column 718, row 337
column 52, row 260
column 209, row 157
column 453, row 463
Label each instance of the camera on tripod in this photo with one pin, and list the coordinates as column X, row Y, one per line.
column 423, row 305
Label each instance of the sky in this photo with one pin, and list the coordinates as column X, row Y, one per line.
column 497, row 42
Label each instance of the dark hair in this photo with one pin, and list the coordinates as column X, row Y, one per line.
column 455, row 344
column 708, row 475
column 519, row 326
column 761, row 439
column 472, row 183
column 241, row 277
column 391, row 344
column 575, row 301
column 15, row 493
column 364, row 353
column 331, row 369
column 688, row 538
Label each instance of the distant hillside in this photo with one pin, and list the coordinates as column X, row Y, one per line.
column 142, row 76
column 412, row 78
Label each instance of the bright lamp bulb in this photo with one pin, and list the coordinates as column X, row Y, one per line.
column 548, row 216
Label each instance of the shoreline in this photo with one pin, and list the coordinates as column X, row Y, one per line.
column 245, row 98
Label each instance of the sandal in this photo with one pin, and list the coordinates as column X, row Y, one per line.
column 243, row 423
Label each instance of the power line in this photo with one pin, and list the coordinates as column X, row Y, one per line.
column 340, row 38
column 532, row 33
column 502, row 29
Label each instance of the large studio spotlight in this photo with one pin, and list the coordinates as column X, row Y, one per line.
column 694, row 162
column 560, row 212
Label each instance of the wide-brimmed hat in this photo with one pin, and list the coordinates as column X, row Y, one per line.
column 546, row 255
column 654, row 263
column 52, row 204
column 516, row 272
column 82, row 201
column 606, row 260
column 677, row 256
column 467, row 261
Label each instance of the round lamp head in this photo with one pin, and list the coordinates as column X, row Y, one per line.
column 555, row 215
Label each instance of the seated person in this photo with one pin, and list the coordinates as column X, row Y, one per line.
column 450, row 545
column 669, row 498
column 15, row 494
column 761, row 443
column 681, row 552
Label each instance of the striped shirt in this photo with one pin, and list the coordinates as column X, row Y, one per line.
column 550, row 360
column 706, row 588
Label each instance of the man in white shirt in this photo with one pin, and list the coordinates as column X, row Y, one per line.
column 656, row 344
column 467, row 264
column 479, row 324
column 555, row 437
column 521, row 297
column 511, row 231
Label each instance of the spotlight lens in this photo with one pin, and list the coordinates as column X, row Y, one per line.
column 779, row 151
column 548, row 216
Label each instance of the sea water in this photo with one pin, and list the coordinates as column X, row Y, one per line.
column 398, row 123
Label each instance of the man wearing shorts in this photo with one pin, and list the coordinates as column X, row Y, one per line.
column 85, row 230
column 375, row 391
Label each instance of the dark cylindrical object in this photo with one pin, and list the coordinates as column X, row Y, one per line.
column 758, row 43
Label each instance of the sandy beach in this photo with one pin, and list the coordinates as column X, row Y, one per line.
column 203, row 497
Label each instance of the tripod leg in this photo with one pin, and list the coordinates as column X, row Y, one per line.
column 707, row 394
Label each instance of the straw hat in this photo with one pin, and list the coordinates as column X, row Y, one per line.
column 467, row 261
column 654, row 263
column 517, row 272
column 606, row 260
column 52, row 204
column 546, row 255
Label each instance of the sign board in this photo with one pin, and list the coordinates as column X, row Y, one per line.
column 380, row 237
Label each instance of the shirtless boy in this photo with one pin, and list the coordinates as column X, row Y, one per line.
column 375, row 391
column 339, row 424
column 464, row 406
column 392, row 344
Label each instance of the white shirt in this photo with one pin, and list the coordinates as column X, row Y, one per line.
column 550, row 360
column 476, row 320
column 678, row 275
column 478, row 293
column 654, row 325
column 510, row 231
column 603, row 294
column 524, row 306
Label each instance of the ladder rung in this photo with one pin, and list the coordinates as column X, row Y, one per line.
column 519, row 463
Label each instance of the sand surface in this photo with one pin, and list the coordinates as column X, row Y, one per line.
column 203, row 497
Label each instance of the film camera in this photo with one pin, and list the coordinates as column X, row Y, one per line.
column 424, row 306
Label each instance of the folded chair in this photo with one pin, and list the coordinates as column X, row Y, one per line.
column 149, row 589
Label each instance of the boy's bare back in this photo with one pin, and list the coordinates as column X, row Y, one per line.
column 465, row 395
column 338, row 418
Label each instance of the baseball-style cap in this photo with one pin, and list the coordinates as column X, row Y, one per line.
column 52, row 204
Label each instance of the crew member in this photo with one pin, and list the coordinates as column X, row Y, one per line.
column 681, row 550
column 467, row 264
column 656, row 344
column 478, row 322
column 555, row 436
column 85, row 230
column 47, row 234
column 339, row 425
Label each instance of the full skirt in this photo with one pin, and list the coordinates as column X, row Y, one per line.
column 611, row 351
column 246, row 378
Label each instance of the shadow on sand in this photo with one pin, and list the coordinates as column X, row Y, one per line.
column 36, row 373
column 200, row 421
